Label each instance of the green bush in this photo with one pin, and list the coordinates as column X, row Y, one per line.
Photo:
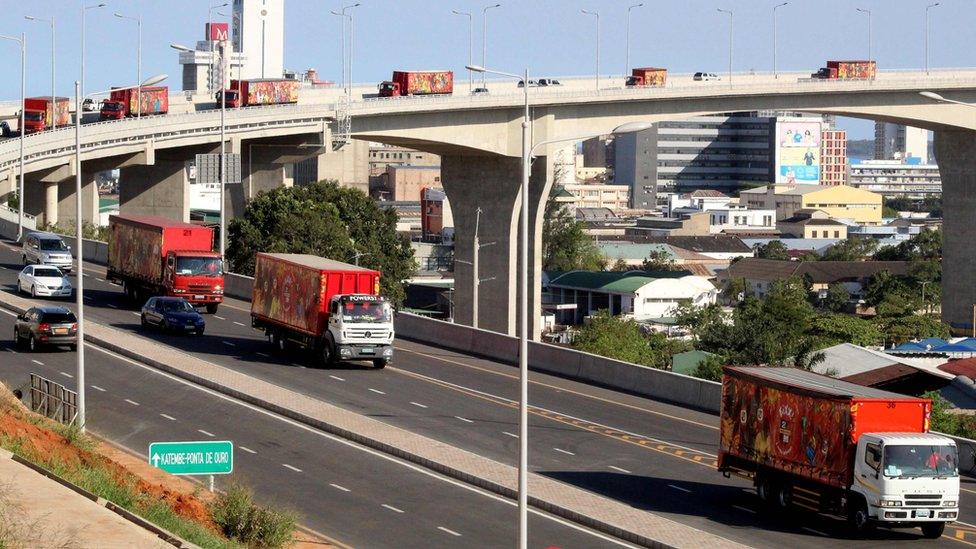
column 241, row 519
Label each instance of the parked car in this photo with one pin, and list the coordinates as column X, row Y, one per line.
column 46, row 326
column 47, row 249
column 548, row 82
column 532, row 83
column 43, row 280
column 88, row 105
column 172, row 314
column 479, row 91
column 707, row 76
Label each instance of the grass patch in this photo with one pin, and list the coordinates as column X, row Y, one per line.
column 249, row 523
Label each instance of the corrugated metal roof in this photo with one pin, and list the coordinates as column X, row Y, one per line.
column 754, row 268
column 630, row 250
column 610, row 281
column 816, row 383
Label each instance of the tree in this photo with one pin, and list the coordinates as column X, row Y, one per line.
column 659, row 260
column 710, row 368
column 851, row 249
column 326, row 220
column 622, row 339
column 565, row 244
column 774, row 249
column 899, row 329
column 837, row 298
column 832, row 329
column 926, row 245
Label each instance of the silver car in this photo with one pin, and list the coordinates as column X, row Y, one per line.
column 43, row 280
column 47, row 249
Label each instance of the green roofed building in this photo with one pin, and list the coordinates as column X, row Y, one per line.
column 688, row 361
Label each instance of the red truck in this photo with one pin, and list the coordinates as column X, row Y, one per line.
column 125, row 102
column 647, row 76
column 847, row 70
column 418, row 83
column 151, row 255
column 329, row 308
column 40, row 113
column 832, row 446
column 265, row 91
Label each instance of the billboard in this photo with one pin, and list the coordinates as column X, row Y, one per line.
column 798, row 151
column 217, row 32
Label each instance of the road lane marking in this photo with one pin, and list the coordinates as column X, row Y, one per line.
column 218, row 317
column 452, row 532
column 464, row 419
column 263, row 355
column 377, row 391
column 135, row 313
column 567, row 452
column 746, row 509
column 246, row 449
column 615, row 468
column 97, row 388
column 38, row 362
column 229, row 344
column 66, row 374
column 238, row 323
column 132, row 402
column 337, row 487
column 100, row 279
column 817, row 532
column 392, row 508
column 680, row 489
column 112, row 305
column 417, row 404
column 171, row 418
column 513, row 435
column 337, row 378
column 209, row 434
column 293, row 468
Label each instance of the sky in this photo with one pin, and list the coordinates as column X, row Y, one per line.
column 550, row 37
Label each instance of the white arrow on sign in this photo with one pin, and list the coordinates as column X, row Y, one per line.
column 155, row 460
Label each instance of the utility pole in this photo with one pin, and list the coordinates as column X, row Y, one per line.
column 476, row 280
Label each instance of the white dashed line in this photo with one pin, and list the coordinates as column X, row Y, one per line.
column 209, row 434
column 377, row 391
column 246, row 449
column 464, row 419
column 229, row 344
column 337, row 487
column 100, row 279
column 567, row 452
column 66, row 374
column 419, row 405
column 296, row 469
column 746, row 509
column 38, row 362
column 615, row 468
column 452, row 532
column 513, row 435
column 97, row 388
column 337, row 378
column 11, row 351
column 86, row 274
column 135, row 313
column 680, row 489
column 817, row 532
column 238, row 323
column 132, row 402
column 113, row 305
column 171, row 418
column 219, row 317
column 392, row 508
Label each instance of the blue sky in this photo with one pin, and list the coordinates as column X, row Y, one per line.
column 551, row 37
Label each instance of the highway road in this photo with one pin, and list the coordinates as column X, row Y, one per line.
column 652, row 455
column 350, row 493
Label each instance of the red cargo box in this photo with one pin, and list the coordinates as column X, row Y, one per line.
column 270, row 91
column 652, row 76
column 424, row 82
column 853, row 69
column 57, row 110
column 807, row 424
column 294, row 290
column 154, row 99
column 137, row 245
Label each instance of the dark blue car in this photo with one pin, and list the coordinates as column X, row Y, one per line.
column 172, row 314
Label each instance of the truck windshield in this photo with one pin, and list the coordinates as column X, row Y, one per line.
column 53, row 245
column 920, row 460
column 112, row 106
column 374, row 312
column 386, row 87
column 34, row 116
column 199, row 266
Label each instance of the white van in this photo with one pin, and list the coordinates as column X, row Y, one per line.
column 47, row 249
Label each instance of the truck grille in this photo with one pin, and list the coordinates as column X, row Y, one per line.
column 366, row 333
column 923, row 500
column 199, row 286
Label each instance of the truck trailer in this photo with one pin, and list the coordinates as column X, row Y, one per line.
column 151, row 256
column 847, row 70
column 326, row 307
column 646, row 77
column 831, row 446
column 43, row 113
column 418, row 83
column 126, row 102
column 264, row 91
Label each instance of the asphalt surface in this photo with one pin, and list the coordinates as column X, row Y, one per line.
column 349, row 493
column 649, row 454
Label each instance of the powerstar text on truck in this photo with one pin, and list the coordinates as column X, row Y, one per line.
column 151, row 255
column 832, row 446
column 327, row 307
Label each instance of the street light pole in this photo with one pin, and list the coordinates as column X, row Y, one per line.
column 484, row 42
column 927, row 8
column 84, row 10
column 210, row 39
column 23, row 95
column 862, row 10
column 470, row 45
column 777, row 6
column 597, row 14
column 731, row 37
column 54, row 57
column 627, row 65
column 223, row 154
column 138, row 21
column 79, row 258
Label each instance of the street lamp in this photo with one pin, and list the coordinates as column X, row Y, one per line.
column 627, row 66
column 597, row 14
column 940, row 99
column 527, row 152
column 138, row 21
column 777, row 6
column 210, row 39
column 862, row 10
column 23, row 93
column 731, row 36
column 346, row 67
column 927, row 8
column 484, row 42
column 84, row 10
column 54, row 112
column 79, row 243
column 470, row 44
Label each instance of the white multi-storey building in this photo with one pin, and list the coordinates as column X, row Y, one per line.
column 894, row 178
column 259, row 33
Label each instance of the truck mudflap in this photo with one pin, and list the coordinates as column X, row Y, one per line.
column 362, row 351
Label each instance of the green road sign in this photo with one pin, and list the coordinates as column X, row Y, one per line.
column 193, row 458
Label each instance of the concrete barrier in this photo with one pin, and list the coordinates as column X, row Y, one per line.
column 95, row 251
column 564, row 362
column 238, row 286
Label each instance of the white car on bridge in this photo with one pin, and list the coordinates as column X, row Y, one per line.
column 43, row 280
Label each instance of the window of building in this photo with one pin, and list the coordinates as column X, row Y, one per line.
column 836, row 234
column 813, row 234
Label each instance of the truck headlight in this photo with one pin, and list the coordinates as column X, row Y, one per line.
column 891, row 503
column 949, row 503
column 178, row 291
column 387, row 352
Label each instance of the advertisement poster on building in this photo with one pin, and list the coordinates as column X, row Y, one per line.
column 798, row 152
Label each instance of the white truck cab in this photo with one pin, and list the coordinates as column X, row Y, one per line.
column 907, row 478
column 361, row 327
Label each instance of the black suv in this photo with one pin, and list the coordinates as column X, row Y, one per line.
column 46, row 326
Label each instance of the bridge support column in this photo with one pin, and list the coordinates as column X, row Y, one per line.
column 956, row 153
column 492, row 183
column 161, row 189
column 348, row 165
column 67, row 200
column 41, row 200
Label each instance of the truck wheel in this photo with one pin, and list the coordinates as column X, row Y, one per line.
column 933, row 530
column 328, row 353
column 278, row 341
column 765, row 489
column 858, row 518
column 212, row 308
column 380, row 363
column 784, row 497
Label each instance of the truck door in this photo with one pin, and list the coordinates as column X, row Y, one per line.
column 867, row 469
column 170, row 270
